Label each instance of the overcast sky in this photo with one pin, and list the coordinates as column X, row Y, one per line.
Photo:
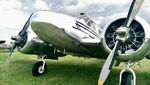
column 14, row 13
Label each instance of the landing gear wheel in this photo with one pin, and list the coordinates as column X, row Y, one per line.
column 127, row 78
column 37, row 69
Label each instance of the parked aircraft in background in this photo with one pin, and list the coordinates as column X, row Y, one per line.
column 4, row 46
column 54, row 35
column 2, row 41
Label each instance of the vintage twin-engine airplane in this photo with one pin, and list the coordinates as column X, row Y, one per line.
column 125, row 39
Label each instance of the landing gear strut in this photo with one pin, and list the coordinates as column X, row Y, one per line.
column 39, row 68
column 127, row 76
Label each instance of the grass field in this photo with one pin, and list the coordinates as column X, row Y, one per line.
column 66, row 71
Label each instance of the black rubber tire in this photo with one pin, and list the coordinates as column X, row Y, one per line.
column 127, row 78
column 36, row 67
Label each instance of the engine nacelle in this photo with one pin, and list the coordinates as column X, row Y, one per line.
column 35, row 46
column 138, row 44
column 31, row 44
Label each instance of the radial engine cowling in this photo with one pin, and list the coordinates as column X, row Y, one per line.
column 31, row 44
column 136, row 46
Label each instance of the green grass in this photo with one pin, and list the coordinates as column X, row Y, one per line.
column 66, row 71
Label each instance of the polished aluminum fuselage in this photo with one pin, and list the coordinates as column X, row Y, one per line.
column 74, row 36
column 63, row 32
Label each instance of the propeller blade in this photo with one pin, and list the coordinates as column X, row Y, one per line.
column 134, row 8
column 108, row 63
column 25, row 27
column 10, row 57
column 12, row 49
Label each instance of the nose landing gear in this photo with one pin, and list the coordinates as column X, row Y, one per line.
column 127, row 76
column 39, row 68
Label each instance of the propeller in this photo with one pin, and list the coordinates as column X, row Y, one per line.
column 19, row 38
column 122, row 36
